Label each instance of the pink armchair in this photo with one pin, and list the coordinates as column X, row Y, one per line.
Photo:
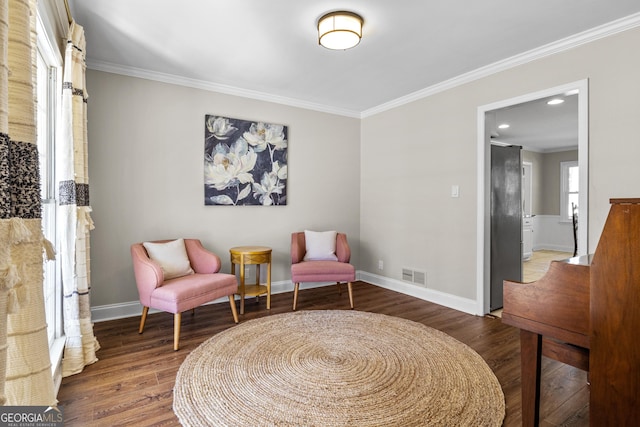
column 321, row 270
column 183, row 293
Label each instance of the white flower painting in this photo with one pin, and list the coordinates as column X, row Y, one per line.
column 245, row 162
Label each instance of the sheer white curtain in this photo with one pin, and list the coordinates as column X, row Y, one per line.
column 25, row 367
column 74, row 220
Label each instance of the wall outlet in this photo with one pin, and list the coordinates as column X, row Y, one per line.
column 380, row 265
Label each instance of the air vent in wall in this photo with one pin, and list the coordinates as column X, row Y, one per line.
column 420, row 277
column 414, row 276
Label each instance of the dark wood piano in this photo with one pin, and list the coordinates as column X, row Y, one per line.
column 585, row 311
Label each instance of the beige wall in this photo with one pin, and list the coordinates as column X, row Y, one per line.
column 551, row 180
column 385, row 180
column 411, row 156
column 546, row 179
column 146, row 170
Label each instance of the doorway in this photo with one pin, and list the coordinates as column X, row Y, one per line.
column 580, row 89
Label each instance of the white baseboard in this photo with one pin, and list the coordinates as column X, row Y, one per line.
column 548, row 247
column 122, row 310
column 441, row 298
column 134, row 308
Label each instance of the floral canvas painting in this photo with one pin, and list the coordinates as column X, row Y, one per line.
column 245, row 162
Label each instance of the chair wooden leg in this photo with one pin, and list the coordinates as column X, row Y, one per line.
column 232, row 300
column 295, row 295
column 176, row 330
column 339, row 288
column 350, row 293
column 145, row 311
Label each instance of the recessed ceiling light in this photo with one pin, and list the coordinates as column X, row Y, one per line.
column 503, row 126
column 555, row 101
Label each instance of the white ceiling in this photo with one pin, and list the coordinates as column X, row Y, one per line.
column 269, row 49
column 536, row 125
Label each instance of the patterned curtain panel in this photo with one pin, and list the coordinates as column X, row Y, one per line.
column 74, row 220
column 6, row 286
column 25, row 367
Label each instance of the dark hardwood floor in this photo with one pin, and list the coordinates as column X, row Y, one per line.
column 132, row 383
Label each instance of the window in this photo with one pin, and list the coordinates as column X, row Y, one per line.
column 570, row 184
column 49, row 87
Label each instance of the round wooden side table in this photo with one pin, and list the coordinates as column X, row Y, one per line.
column 252, row 255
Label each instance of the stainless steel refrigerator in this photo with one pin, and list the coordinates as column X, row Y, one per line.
column 506, row 219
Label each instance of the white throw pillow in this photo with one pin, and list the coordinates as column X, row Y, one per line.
column 321, row 245
column 172, row 257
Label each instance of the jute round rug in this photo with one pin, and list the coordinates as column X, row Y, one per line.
column 336, row 368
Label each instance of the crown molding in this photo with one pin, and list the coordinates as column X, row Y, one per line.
column 216, row 87
column 606, row 30
column 562, row 45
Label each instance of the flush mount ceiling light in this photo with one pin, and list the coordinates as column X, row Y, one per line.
column 504, row 126
column 340, row 30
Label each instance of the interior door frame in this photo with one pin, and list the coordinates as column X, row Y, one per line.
column 529, row 189
column 483, row 181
